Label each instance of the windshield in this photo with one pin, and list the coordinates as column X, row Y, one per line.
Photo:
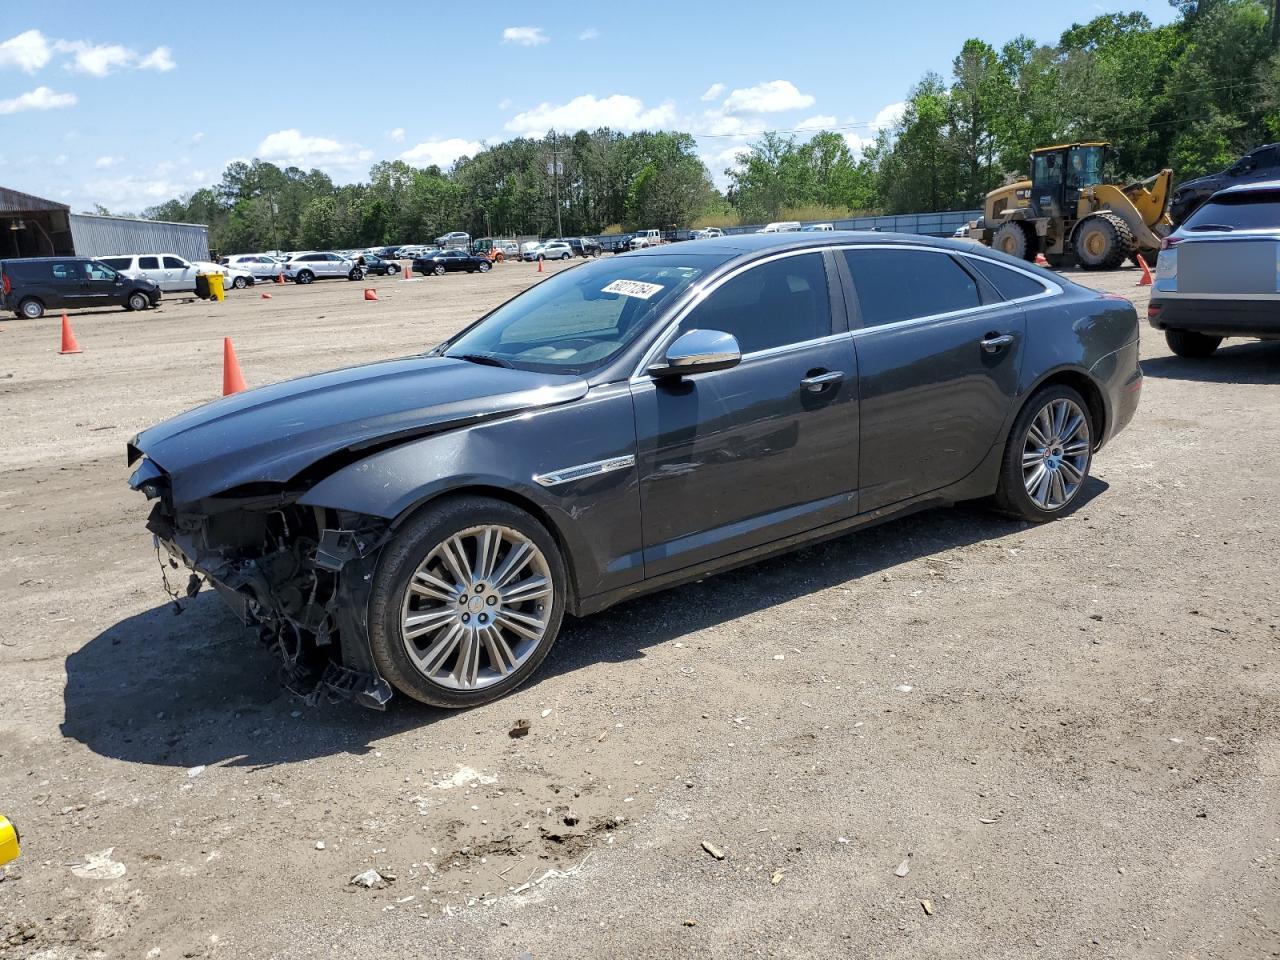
column 582, row 318
column 1252, row 210
column 1086, row 166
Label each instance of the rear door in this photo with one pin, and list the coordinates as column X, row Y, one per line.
column 939, row 353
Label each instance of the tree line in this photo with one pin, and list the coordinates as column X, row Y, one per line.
column 1192, row 94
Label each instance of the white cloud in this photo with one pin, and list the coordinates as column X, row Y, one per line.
column 103, row 162
column 586, row 112
column 396, row 135
column 293, row 147
column 41, row 98
column 773, row 96
column 60, row 160
column 441, row 153
column 889, row 116
column 717, row 163
column 820, row 122
column 160, row 59
column 197, row 137
column 27, row 52
column 97, row 60
column 504, row 103
column 591, row 33
column 524, row 36
column 716, row 124
column 713, row 91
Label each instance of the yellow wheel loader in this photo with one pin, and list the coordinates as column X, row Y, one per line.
column 1068, row 209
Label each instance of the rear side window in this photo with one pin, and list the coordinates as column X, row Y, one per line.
column 67, row 271
column 1010, row 284
column 777, row 303
column 148, row 263
column 894, row 285
column 119, row 263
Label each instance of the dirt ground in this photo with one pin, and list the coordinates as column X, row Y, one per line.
column 1069, row 734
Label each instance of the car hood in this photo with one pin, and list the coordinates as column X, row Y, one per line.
column 273, row 433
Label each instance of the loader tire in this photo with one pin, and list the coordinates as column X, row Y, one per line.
column 1014, row 239
column 1103, row 241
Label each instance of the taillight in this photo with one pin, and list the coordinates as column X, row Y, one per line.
column 1153, row 310
column 1168, row 242
column 8, row 284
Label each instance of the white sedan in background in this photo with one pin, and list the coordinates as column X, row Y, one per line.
column 260, row 265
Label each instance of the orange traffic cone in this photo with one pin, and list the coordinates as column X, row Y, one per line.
column 1041, row 261
column 280, row 277
column 370, row 293
column 69, row 344
column 232, row 378
column 408, row 273
column 539, row 264
column 1145, row 279
column 266, row 296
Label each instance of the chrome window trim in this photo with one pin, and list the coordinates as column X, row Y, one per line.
column 583, row 470
column 640, row 375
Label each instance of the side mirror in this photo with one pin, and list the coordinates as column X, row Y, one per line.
column 698, row 351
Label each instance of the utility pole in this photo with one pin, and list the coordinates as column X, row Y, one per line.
column 555, row 179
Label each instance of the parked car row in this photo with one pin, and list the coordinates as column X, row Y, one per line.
column 176, row 274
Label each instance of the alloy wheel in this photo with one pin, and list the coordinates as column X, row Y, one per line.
column 477, row 607
column 1055, row 454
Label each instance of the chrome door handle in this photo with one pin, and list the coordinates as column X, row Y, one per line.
column 819, row 381
column 992, row 344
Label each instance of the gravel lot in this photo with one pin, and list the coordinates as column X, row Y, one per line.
column 1070, row 734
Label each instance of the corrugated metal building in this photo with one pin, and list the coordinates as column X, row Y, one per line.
column 35, row 227
column 97, row 236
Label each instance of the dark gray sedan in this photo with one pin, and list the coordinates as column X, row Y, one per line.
column 424, row 524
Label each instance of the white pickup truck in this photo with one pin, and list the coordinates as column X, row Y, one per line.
column 646, row 238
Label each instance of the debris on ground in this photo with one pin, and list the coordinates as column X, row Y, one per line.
column 903, row 868
column 370, row 879
column 99, row 866
column 776, row 878
column 712, row 849
column 520, row 729
column 927, row 907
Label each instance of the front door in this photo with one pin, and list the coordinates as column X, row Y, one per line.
column 939, row 355
column 178, row 274
column 103, row 286
column 736, row 458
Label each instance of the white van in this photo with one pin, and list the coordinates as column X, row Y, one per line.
column 783, row 226
column 173, row 273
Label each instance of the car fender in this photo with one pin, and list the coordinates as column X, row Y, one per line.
column 596, row 518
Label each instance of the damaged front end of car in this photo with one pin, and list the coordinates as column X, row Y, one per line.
column 300, row 574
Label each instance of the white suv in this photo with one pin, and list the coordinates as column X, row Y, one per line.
column 308, row 267
column 174, row 274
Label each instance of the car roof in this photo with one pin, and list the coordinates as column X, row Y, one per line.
column 736, row 244
column 1258, row 186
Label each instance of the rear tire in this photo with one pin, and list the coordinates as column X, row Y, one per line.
column 484, row 267
column 393, row 268
column 1191, row 345
column 356, row 274
column 470, row 587
column 1102, row 242
column 1011, row 238
column 1047, row 456
column 439, row 270
column 31, row 308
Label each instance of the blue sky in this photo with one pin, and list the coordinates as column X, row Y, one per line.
column 131, row 108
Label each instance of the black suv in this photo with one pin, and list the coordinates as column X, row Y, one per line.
column 584, row 246
column 30, row 286
column 1260, row 164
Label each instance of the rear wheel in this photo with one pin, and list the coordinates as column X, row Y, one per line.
column 355, row 274
column 393, row 268
column 31, row 308
column 1012, row 238
column 1192, row 345
column 467, row 602
column 1047, row 457
column 1103, row 241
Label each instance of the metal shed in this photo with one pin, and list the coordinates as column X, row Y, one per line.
column 99, row 236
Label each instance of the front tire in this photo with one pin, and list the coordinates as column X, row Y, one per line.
column 467, row 601
column 1047, row 456
column 393, row 268
column 239, row 283
column 1011, row 238
column 439, row 270
column 1191, row 345
column 484, row 267
column 306, row 276
column 1103, row 241
column 137, row 301
column 356, row 274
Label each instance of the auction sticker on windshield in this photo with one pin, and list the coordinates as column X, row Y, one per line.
column 633, row 288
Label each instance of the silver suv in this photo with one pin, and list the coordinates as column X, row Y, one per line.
column 309, row 267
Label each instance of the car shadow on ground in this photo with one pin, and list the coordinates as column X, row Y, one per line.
column 196, row 688
column 1252, row 361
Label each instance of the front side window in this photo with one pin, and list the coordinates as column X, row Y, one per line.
column 148, row 263
column 780, row 302
column 100, row 271
column 894, row 285
column 1085, row 166
column 581, row 319
column 1047, row 169
column 173, row 263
